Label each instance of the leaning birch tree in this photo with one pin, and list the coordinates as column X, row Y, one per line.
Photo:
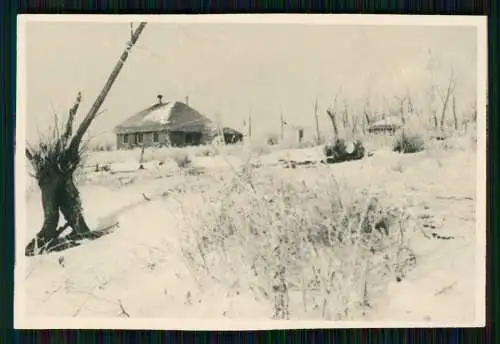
column 55, row 161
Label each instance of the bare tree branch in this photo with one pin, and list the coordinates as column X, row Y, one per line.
column 332, row 112
column 346, row 115
column 366, row 107
column 318, row 136
column 72, row 114
column 367, row 117
column 101, row 112
column 122, row 309
column 402, row 101
column 75, row 142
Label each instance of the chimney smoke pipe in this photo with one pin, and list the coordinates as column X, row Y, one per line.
column 160, row 97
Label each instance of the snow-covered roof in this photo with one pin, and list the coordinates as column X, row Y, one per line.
column 170, row 115
column 388, row 122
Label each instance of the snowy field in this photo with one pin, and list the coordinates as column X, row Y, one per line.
column 198, row 229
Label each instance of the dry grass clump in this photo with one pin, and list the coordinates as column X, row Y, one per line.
column 208, row 151
column 454, row 141
column 341, row 150
column 182, row 159
column 309, row 248
column 408, row 142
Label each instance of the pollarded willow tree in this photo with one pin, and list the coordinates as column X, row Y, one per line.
column 55, row 160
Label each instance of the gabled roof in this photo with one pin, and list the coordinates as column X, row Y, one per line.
column 170, row 115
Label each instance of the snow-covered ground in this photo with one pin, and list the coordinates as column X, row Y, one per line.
column 142, row 270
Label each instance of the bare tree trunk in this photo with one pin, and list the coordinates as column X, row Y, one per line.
column 367, row 118
column 71, row 207
column 331, row 115
column 434, row 117
column 354, row 125
column 443, row 113
column 48, row 232
column 454, row 109
column 345, row 119
column 316, row 120
column 446, row 100
column 59, row 194
column 402, row 110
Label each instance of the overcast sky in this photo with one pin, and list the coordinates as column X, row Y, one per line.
column 232, row 69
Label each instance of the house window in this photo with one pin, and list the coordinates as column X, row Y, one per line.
column 138, row 138
column 125, row 138
column 156, row 137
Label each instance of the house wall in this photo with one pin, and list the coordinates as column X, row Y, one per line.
column 382, row 130
column 147, row 140
column 179, row 138
column 176, row 139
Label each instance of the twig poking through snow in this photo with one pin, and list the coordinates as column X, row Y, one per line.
column 124, row 312
column 445, row 289
column 456, row 198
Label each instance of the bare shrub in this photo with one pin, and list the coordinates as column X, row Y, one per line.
column 342, row 150
column 408, row 142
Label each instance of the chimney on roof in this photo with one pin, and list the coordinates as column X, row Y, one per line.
column 186, row 100
column 160, row 97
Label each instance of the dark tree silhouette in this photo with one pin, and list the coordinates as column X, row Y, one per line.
column 55, row 160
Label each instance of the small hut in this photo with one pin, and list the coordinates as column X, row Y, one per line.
column 388, row 125
column 232, row 135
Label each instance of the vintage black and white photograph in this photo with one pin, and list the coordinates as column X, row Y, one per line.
column 250, row 171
